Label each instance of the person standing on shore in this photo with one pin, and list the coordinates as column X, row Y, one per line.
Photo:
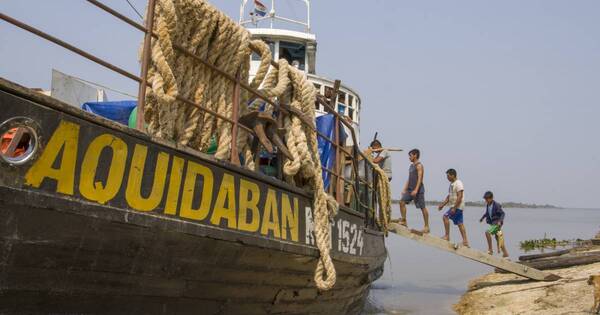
column 456, row 199
column 414, row 190
column 494, row 216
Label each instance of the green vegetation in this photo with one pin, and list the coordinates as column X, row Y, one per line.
column 548, row 243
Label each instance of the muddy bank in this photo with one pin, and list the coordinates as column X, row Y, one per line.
column 497, row 293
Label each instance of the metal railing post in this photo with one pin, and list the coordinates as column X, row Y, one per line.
column 355, row 171
column 374, row 197
column 235, row 158
column 365, row 192
column 336, row 144
column 145, row 61
column 339, row 193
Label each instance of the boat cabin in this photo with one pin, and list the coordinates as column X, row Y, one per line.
column 299, row 48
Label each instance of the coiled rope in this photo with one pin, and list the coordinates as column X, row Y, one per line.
column 210, row 34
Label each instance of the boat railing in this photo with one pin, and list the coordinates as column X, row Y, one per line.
column 354, row 190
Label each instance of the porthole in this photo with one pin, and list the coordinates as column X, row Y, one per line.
column 19, row 140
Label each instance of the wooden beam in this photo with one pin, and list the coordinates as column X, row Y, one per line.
column 544, row 255
column 14, row 143
column 473, row 254
column 564, row 261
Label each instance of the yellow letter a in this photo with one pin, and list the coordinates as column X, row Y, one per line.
column 226, row 192
column 66, row 137
column 249, row 197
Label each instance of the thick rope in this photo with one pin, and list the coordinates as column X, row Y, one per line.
column 210, row 34
column 385, row 198
column 265, row 62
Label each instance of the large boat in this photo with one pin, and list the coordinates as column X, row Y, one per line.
column 100, row 218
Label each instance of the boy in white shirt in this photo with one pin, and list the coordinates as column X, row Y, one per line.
column 456, row 199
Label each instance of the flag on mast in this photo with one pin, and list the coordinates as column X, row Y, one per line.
column 259, row 8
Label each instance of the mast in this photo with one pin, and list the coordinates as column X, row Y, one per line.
column 272, row 11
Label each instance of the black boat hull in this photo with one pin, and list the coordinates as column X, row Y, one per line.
column 68, row 251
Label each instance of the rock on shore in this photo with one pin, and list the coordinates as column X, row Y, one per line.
column 510, row 294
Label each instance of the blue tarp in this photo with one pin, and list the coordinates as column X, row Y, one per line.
column 118, row 111
column 326, row 126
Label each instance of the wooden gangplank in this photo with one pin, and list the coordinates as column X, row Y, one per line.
column 478, row 256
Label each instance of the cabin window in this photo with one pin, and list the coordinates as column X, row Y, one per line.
column 341, row 97
column 351, row 113
column 318, row 87
column 350, row 100
column 341, row 109
column 256, row 57
column 293, row 52
column 317, row 106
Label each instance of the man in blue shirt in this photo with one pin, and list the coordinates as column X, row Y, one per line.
column 494, row 216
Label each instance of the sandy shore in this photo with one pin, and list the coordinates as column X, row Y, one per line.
column 510, row 294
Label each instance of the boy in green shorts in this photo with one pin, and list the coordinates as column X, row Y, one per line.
column 494, row 216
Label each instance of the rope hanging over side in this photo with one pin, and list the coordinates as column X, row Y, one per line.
column 385, row 198
column 208, row 33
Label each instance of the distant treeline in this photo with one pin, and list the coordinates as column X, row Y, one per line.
column 508, row 204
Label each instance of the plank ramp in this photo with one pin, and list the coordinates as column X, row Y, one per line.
column 473, row 254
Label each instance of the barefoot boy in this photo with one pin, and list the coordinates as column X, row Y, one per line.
column 414, row 190
column 456, row 200
column 494, row 216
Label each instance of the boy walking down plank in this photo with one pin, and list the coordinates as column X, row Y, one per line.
column 494, row 216
column 414, row 190
column 456, row 200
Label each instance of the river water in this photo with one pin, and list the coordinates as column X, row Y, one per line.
column 423, row 280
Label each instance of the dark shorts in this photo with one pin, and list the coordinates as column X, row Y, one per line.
column 456, row 217
column 419, row 199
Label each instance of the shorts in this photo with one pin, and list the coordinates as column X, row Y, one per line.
column 457, row 217
column 493, row 229
column 419, row 199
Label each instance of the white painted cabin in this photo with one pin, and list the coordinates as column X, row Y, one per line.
column 300, row 49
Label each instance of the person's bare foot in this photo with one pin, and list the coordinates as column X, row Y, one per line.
column 505, row 255
column 403, row 222
column 446, row 238
column 466, row 244
column 490, row 252
column 425, row 230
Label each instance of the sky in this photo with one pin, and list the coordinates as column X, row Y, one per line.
column 506, row 92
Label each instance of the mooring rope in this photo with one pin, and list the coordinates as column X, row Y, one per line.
column 385, row 198
column 208, row 33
